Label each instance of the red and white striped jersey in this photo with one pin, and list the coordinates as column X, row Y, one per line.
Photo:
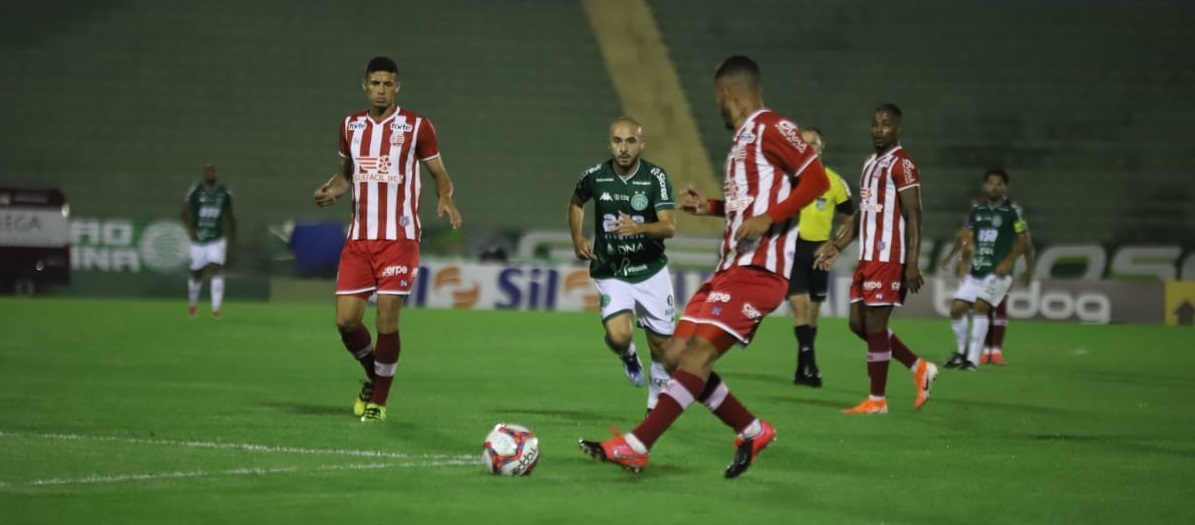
column 761, row 169
column 881, row 224
column 386, row 182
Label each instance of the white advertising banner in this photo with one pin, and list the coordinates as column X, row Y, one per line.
column 568, row 288
column 33, row 227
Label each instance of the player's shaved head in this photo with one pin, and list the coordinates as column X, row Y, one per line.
column 626, row 144
column 626, row 126
column 738, row 71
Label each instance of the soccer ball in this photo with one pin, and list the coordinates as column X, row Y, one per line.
column 511, row 450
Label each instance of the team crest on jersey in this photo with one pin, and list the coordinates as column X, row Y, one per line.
column 747, row 137
column 997, row 221
column 885, row 162
column 397, row 139
column 639, row 202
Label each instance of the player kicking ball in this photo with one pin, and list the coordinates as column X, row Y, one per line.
column 770, row 174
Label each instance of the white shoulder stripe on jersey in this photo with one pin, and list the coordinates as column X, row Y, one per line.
column 430, row 158
column 909, row 186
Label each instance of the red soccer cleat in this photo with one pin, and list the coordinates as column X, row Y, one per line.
column 616, row 450
column 192, row 311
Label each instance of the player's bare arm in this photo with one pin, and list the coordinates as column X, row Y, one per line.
column 444, row 187
column 230, row 222
column 696, row 203
column 955, row 246
column 826, row 254
column 1030, row 260
column 337, row 186
column 582, row 245
column 186, row 216
column 966, row 248
column 1005, row 266
column 811, row 183
column 910, row 209
column 663, row 228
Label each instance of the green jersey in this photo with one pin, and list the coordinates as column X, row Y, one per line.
column 641, row 195
column 208, row 208
column 996, row 227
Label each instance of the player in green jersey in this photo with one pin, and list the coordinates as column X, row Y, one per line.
column 633, row 214
column 996, row 235
column 207, row 215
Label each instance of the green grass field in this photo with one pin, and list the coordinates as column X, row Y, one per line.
column 128, row 412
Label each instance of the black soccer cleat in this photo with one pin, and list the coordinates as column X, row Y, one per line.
column 745, row 450
column 813, row 380
column 956, row 361
column 593, row 449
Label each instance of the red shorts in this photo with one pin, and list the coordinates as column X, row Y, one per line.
column 736, row 300
column 389, row 267
column 879, row 283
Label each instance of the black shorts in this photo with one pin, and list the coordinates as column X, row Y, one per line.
column 805, row 278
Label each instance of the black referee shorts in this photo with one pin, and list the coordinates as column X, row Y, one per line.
column 805, row 278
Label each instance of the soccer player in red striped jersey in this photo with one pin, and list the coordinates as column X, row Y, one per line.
column 770, row 174
column 889, row 222
column 381, row 152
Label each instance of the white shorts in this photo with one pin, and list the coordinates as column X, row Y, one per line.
column 203, row 254
column 651, row 301
column 991, row 288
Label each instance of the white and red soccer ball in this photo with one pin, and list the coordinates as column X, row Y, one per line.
column 511, row 450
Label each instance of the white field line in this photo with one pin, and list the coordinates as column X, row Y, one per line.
column 414, row 460
column 157, row 476
column 247, row 447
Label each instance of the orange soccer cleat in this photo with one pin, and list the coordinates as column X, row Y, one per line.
column 868, row 406
column 923, row 379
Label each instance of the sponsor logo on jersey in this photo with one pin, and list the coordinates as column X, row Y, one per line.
column 605, row 196
column 872, row 285
column 718, row 297
column 640, row 183
column 750, row 312
column 356, row 126
column 747, row 137
column 391, row 271
column 736, row 197
column 603, row 180
column 908, row 169
column 790, row 133
column 401, row 126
